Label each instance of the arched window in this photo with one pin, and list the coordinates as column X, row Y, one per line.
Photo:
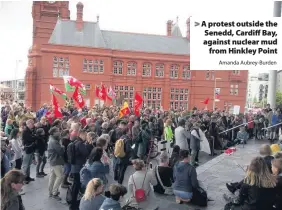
column 117, row 67
column 159, row 70
column 186, row 74
column 174, row 68
column 146, row 72
column 131, row 68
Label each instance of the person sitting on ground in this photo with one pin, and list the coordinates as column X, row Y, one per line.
column 265, row 152
column 112, row 203
column 185, row 178
column 258, row 189
column 11, row 185
column 277, row 171
column 174, row 156
column 93, row 198
column 142, row 178
column 242, row 136
column 164, row 175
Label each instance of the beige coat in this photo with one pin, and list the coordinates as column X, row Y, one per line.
column 150, row 202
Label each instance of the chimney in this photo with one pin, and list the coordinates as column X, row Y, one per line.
column 79, row 16
column 188, row 29
column 168, row 27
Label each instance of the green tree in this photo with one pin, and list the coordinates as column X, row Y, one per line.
column 278, row 98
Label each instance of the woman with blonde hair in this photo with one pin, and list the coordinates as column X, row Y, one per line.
column 93, row 198
column 11, row 185
column 258, row 189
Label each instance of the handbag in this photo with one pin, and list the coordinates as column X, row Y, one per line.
column 140, row 194
column 168, row 190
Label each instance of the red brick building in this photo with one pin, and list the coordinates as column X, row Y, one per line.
column 156, row 66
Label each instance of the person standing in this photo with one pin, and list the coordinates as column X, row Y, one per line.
column 17, row 148
column 81, row 154
column 56, row 159
column 28, row 139
column 181, row 136
column 41, row 146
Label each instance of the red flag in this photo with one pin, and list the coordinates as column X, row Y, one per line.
column 76, row 83
column 206, row 101
column 57, row 112
column 108, row 95
column 137, row 103
column 101, row 93
column 78, row 98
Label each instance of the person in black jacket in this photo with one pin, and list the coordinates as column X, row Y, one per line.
column 28, row 138
column 121, row 163
column 65, row 139
column 81, row 154
column 41, row 147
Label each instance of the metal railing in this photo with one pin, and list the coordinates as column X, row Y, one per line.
column 236, row 127
column 272, row 126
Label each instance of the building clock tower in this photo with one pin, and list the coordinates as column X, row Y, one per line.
column 45, row 15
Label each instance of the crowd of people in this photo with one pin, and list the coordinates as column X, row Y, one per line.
column 85, row 144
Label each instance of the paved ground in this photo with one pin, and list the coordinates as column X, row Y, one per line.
column 213, row 174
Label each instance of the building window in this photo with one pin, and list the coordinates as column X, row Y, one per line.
column 61, row 66
column 93, row 66
column 212, row 75
column 125, row 92
column 146, row 72
column 152, row 97
column 234, row 89
column 87, row 86
column 207, row 74
column 186, row 74
column 174, row 71
column 236, row 72
column 131, row 68
column 179, row 98
column 159, row 70
column 118, row 67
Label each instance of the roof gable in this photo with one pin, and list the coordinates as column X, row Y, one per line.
column 65, row 33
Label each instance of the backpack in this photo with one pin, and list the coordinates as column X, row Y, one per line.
column 71, row 152
column 139, row 194
column 119, row 148
column 200, row 197
column 85, row 176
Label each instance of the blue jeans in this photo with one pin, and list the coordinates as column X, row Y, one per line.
column 183, row 195
column 67, row 169
column 27, row 161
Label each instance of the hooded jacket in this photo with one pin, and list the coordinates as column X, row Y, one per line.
column 110, row 204
column 185, row 177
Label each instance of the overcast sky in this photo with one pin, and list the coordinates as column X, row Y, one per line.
column 142, row 16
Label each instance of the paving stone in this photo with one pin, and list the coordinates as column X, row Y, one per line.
column 212, row 174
